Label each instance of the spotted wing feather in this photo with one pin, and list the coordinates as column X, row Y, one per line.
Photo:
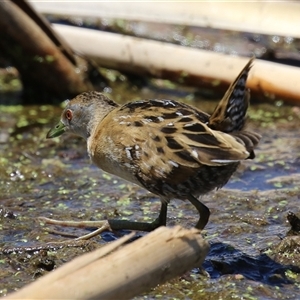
column 165, row 135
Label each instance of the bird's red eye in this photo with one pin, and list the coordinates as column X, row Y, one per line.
column 68, row 114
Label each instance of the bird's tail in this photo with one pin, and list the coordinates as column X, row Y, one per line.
column 230, row 114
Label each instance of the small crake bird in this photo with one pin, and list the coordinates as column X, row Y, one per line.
column 169, row 148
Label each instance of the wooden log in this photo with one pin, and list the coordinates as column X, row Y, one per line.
column 112, row 273
column 46, row 72
column 264, row 17
column 195, row 67
column 43, row 23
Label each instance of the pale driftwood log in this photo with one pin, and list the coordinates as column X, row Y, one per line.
column 111, row 273
column 191, row 66
column 265, row 17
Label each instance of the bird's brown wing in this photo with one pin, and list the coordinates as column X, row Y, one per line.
column 156, row 138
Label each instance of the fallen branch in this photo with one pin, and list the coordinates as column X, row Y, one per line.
column 195, row 67
column 250, row 16
column 46, row 64
column 111, row 273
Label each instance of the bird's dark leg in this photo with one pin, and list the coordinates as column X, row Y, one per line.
column 203, row 212
column 141, row 226
column 114, row 224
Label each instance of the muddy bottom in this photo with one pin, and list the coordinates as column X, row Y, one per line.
column 251, row 256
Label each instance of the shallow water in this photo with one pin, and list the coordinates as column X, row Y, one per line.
column 54, row 178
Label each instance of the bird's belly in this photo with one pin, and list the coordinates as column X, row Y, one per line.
column 115, row 168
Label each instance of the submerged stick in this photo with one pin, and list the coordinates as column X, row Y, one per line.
column 124, row 273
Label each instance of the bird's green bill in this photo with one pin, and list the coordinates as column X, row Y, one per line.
column 58, row 130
